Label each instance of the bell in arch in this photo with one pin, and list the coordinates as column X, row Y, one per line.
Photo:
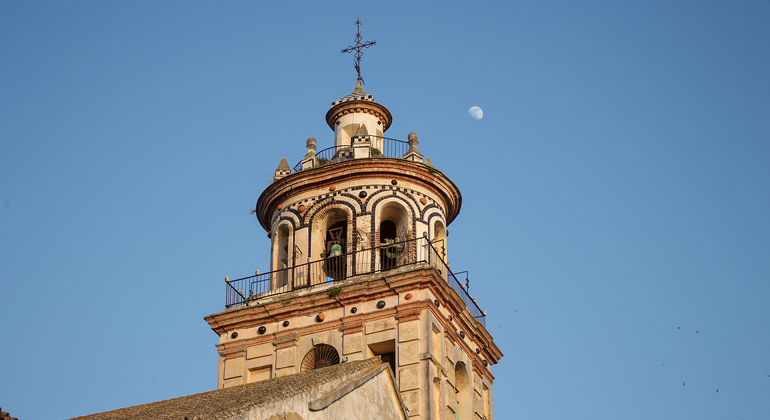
column 335, row 250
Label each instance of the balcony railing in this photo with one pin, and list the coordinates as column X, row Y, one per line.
column 334, row 269
column 391, row 148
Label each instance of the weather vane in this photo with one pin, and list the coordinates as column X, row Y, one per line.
column 358, row 47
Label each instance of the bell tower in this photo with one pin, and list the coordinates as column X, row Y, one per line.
column 358, row 268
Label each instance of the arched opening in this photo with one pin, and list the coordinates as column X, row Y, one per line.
column 388, row 239
column 335, row 246
column 281, row 254
column 439, row 239
column 327, row 249
column 463, row 389
column 393, row 232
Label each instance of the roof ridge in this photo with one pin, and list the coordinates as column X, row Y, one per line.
column 228, row 401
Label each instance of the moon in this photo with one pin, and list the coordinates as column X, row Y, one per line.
column 476, row 113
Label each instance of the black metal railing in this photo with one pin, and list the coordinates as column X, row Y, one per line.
column 366, row 261
column 392, row 147
column 380, row 147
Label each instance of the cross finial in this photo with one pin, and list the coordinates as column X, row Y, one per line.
column 357, row 48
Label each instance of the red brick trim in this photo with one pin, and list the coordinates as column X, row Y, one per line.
column 352, row 324
column 408, row 312
column 285, row 340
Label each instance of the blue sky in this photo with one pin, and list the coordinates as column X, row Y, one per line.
column 615, row 195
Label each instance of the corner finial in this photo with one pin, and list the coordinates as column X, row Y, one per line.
column 283, row 170
column 412, row 154
column 412, row 140
column 311, row 145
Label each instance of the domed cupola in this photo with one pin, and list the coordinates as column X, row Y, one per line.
column 358, row 115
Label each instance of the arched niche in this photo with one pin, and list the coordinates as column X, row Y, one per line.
column 463, row 387
column 393, row 230
column 345, row 133
column 281, row 256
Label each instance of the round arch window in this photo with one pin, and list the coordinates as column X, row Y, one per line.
column 320, row 356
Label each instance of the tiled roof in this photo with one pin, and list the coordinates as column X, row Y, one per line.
column 357, row 95
column 224, row 403
column 284, row 165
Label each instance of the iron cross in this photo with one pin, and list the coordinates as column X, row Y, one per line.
column 357, row 48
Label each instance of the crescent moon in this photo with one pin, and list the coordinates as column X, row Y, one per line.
column 476, row 113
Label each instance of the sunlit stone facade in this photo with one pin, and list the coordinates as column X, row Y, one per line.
column 358, row 268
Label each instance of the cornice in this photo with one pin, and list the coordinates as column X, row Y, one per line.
column 362, row 289
column 360, row 107
column 310, row 180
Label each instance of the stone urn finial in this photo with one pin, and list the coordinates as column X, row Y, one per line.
column 309, row 160
column 413, row 140
column 412, row 154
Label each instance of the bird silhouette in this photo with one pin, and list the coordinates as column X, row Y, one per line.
column 717, row 391
column 683, row 383
column 697, row 331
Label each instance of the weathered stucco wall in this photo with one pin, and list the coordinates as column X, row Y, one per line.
column 430, row 342
column 372, row 397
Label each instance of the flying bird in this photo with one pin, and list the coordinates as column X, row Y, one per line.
column 683, row 383
column 697, row 331
column 717, row 391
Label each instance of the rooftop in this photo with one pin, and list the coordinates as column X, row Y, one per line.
column 228, row 402
column 358, row 94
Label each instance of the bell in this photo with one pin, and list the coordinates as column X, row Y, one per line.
column 336, row 250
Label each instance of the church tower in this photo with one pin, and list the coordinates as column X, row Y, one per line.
column 359, row 268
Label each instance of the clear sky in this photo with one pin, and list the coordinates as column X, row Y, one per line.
column 616, row 193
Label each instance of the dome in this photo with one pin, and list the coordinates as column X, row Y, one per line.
column 358, row 102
